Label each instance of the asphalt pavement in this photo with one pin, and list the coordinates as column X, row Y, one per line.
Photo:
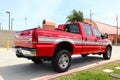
column 13, row 68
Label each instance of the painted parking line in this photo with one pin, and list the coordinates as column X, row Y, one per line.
column 1, row 78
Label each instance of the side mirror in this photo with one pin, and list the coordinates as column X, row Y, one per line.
column 105, row 36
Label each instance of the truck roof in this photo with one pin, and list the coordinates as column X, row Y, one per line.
column 61, row 26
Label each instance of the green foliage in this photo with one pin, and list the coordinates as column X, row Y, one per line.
column 75, row 16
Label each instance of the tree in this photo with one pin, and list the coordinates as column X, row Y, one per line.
column 75, row 16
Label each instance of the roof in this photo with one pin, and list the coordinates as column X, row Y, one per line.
column 106, row 28
column 103, row 27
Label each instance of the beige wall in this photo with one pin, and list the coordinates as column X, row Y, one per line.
column 7, row 35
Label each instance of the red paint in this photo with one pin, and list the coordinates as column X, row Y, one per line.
column 45, row 41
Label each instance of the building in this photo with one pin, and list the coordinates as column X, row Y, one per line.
column 106, row 28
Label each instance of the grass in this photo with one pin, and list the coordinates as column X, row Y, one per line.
column 93, row 73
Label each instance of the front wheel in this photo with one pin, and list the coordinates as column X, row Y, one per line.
column 107, row 55
column 61, row 61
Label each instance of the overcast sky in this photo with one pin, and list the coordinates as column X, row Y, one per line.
column 36, row 10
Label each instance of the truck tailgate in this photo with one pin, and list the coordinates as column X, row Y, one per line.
column 24, row 38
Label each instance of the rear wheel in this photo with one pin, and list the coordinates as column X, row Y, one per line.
column 61, row 61
column 107, row 55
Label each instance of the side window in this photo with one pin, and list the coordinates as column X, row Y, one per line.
column 73, row 28
column 88, row 30
column 97, row 32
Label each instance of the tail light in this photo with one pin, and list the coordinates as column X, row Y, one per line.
column 35, row 36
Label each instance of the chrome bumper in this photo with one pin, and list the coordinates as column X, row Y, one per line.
column 20, row 54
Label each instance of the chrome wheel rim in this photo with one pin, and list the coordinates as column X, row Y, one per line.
column 63, row 61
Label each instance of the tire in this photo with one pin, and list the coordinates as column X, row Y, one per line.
column 84, row 55
column 108, row 53
column 37, row 60
column 61, row 61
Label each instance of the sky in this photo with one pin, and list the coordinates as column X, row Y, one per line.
column 56, row 10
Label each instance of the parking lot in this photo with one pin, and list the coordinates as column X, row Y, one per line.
column 13, row 68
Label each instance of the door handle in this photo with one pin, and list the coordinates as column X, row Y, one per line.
column 95, row 40
column 85, row 39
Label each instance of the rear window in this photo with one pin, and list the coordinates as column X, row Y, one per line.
column 73, row 28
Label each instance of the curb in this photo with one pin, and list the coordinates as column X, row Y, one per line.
column 47, row 77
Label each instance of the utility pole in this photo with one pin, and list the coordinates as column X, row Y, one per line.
column 91, row 16
column 8, row 20
column 25, row 23
column 117, row 29
column 12, row 24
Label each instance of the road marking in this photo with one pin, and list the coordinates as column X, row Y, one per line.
column 1, row 78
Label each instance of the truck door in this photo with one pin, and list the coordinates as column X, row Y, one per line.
column 99, row 40
column 89, row 45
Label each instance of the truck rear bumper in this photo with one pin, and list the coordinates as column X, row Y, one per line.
column 20, row 54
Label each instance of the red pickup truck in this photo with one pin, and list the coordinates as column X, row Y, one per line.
column 60, row 44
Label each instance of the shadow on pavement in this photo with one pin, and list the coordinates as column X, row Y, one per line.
column 30, row 70
column 83, row 61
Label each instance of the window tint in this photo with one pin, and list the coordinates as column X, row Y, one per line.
column 73, row 28
column 87, row 30
column 97, row 32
